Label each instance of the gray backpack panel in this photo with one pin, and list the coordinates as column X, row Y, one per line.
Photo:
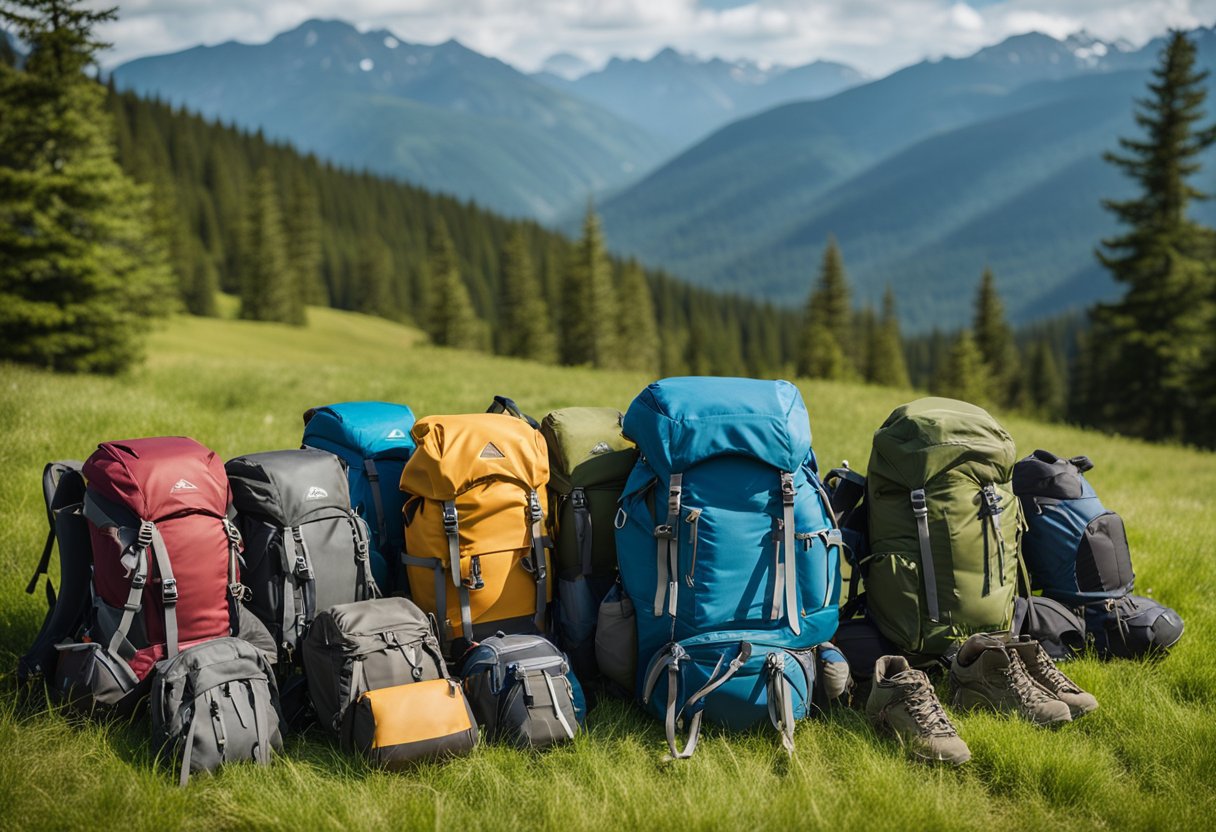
column 216, row 703
column 367, row 645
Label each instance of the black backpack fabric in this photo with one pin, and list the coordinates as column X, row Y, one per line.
column 305, row 548
column 1058, row 628
column 1131, row 627
column 522, row 691
column 363, row 646
column 215, row 703
column 862, row 644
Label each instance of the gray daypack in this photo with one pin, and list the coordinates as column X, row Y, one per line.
column 364, row 646
column 305, row 549
column 522, row 691
column 216, row 703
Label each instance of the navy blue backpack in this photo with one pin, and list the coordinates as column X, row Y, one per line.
column 1076, row 552
column 373, row 439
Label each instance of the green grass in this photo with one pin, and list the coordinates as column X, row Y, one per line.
column 1146, row 759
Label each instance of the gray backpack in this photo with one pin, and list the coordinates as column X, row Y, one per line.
column 522, row 691
column 365, row 646
column 215, row 703
column 305, row 549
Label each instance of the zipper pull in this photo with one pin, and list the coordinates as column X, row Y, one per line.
column 693, row 516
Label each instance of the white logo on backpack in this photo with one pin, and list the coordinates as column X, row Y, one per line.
column 396, row 433
column 183, row 485
column 316, row 493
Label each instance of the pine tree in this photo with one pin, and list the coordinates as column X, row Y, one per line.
column 80, row 272
column 452, row 321
column 888, row 366
column 302, row 224
column 588, row 316
column 638, row 332
column 269, row 291
column 828, row 323
column 1045, row 388
column 525, row 327
column 865, row 326
column 1150, row 361
column 964, row 375
column 373, row 291
column 994, row 338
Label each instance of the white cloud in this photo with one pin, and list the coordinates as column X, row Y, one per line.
column 874, row 35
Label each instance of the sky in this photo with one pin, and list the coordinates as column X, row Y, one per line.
column 876, row 36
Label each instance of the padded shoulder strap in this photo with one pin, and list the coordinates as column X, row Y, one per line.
column 62, row 488
column 502, row 404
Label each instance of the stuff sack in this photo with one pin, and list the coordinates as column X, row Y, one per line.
column 397, row 726
column 362, row 646
column 522, row 691
column 215, row 703
column 1059, row 629
column 616, row 642
column 1075, row 548
column 305, row 548
column 1131, row 627
column 373, row 440
column 476, row 550
column 589, row 462
column 738, row 684
column 944, row 528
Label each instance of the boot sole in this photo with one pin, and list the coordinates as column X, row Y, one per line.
column 884, row 728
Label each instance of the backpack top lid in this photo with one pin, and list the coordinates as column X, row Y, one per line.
column 679, row 422
column 376, row 430
column 586, row 445
column 289, row 487
column 159, row 477
column 1043, row 474
column 921, row 439
column 454, row 453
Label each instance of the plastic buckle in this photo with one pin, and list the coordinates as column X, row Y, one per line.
column 302, row 569
column 665, row 532
column 145, row 533
column 578, row 498
column 239, row 591
column 474, row 580
column 534, row 512
column 139, row 580
column 787, row 489
column 168, row 591
column 919, row 506
column 992, row 501
column 450, row 523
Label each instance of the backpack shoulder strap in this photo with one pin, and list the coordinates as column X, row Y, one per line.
column 62, row 487
column 502, row 404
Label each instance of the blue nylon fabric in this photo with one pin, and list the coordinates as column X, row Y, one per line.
column 681, row 422
column 1050, row 546
column 380, row 431
column 742, row 702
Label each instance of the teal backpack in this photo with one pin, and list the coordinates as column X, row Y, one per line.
column 728, row 552
column 373, row 439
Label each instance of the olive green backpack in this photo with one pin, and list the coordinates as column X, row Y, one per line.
column 589, row 461
column 944, row 526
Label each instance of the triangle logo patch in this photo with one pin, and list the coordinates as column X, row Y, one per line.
column 183, row 485
column 396, row 433
column 490, row 451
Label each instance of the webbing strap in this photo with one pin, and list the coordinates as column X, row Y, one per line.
column 671, row 662
column 540, row 569
column 44, row 562
column 139, row 579
column 667, row 549
column 367, row 581
column 301, row 575
column 785, row 558
column 373, row 480
column 921, row 511
column 235, row 588
column 259, row 720
column 466, row 614
column 557, row 708
column 451, row 528
column 188, row 751
column 168, row 591
column 441, row 591
column 582, row 527
column 780, row 699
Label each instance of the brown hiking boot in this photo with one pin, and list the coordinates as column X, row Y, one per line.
column 988, row 675
column 903, row 701
column 1044, row 671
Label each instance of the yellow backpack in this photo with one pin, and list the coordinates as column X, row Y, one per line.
column 475, row 551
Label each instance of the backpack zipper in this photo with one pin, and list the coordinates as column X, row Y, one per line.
column 694, row 516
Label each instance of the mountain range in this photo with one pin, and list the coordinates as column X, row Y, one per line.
column 925, row 177
column 441, row 116
column 682, row 98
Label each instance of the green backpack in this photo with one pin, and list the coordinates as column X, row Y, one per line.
column 944, row 526
column 589, row 461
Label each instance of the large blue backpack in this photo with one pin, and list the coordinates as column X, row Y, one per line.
column 728, row 552
column 373, row 439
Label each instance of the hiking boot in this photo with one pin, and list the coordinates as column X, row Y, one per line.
column 903, row 701
column 988, row 675
column 1044, row 671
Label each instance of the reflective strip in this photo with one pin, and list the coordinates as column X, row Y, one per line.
column 921, row 511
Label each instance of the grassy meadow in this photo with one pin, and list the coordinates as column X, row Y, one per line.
column 1145, row 760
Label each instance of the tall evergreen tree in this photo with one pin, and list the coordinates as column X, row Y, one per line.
column 525, row 328
column 373, row 292
column 865, row 333
column 1045, row 387
column 828, row 326
column 452, row 321
column 269, row 291
column 1152, row 340
column 80, row 273
column 589, row 317
column 637, row 331
column 994, row 338
column 888, row 366
column 964, row 375
column 302, row 224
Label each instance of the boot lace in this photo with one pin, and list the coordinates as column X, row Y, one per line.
column 926, row 709
column 1027, row 692
column 1051, row 674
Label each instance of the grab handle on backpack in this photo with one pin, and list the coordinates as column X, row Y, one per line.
column 502, row 404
